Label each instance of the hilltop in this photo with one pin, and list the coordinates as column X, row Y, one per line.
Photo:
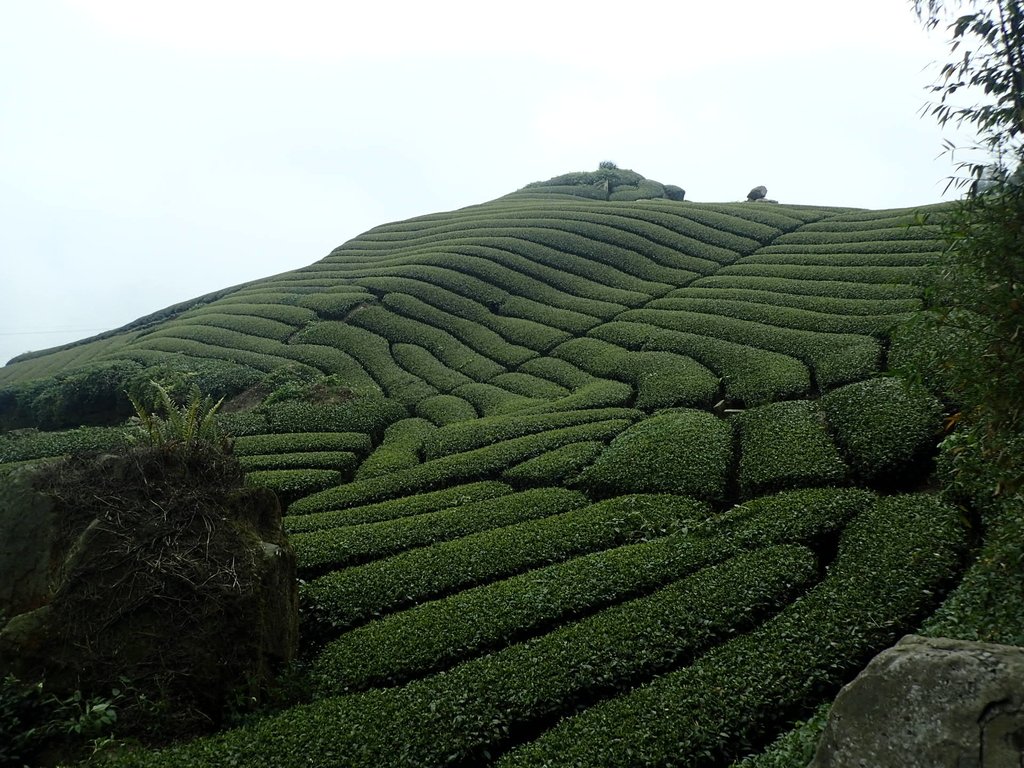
column 585, row 475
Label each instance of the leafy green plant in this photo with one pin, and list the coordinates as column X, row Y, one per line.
column 185, row 425
column 31, row 720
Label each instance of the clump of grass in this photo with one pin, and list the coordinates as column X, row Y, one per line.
column 182, row 426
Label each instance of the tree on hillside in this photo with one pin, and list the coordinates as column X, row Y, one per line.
column 980, row 294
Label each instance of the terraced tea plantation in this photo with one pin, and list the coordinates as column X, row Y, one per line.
column 572, row 482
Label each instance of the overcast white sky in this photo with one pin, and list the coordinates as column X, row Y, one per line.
column 152, row 152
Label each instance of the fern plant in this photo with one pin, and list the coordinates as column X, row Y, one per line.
column 185, row 425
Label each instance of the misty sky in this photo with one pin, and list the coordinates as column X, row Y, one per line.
column 154, row 152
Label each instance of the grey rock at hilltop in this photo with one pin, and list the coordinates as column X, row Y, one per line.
column 757, row 193
column 930, row 703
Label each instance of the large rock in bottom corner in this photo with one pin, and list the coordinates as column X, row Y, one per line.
column 157, row 566
column 930, row 703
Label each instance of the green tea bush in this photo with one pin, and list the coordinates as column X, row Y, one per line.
column 474, row 335
column 556, row 467
column 575, row 190
column 786, row 445
column 563, row 373
column 472, row 465
column 369, row 414
column 883, row 425
column 818, row 320
column 253, row 326
column 342, row 461
column 292, row 484
column 437, row 634
column 522, row 277
column 917, row 348
column 221, row 337
column 336, row 548
column 490, row 400
column 827, row 304
column 794, row 748
column 833, row 288
column 750, row 375
column 511, row 330
column 613, row 650
column 445, row 409
column 297, row 317
column 469, row 435
column 761, row 224
column 985, row 605
column 443, row 345
column 662, row 379
column 294, row 442
column 891, row 563
column 814, row 258
column 907, row 276
column 684, row 452
column 202, row 350
column 374, row 355
column 598, row 394
column 26, row 445
column 217, row 378
column 530, row 386
column 407, row 506
column 445, row 278
column 335, row 305
column 835, row 358
column 603, row 246
column 548, row 316
column 523, row 685
column 569, row 273
column 401, row 448
column 673, row 380
column 811, row 516
column 89, row 396
column 840, row 246
column 344, row 599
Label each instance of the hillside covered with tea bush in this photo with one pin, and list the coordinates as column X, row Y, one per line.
column 582, row 476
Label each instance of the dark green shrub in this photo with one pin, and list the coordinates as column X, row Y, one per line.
column 530, row 386
column 751, row 375
column 466, row 436
column 891, row 563
column 294, row 442
column 344, row 599
column 90, row 396
column 490, row 400
column 292, row 484
column 416, row 504
column 555, row 467
column 436, row 634
column 786, row 445
column 457, row 468
column 445, row 409
column 882, row 425
column 420, row 363
column 684, row 452
column 22, row 446
column 835, row 358
column 523, row 685
column 370, row 415
column 401, row 448
column 341, row 461
column 336, row 548
column 335, row 305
